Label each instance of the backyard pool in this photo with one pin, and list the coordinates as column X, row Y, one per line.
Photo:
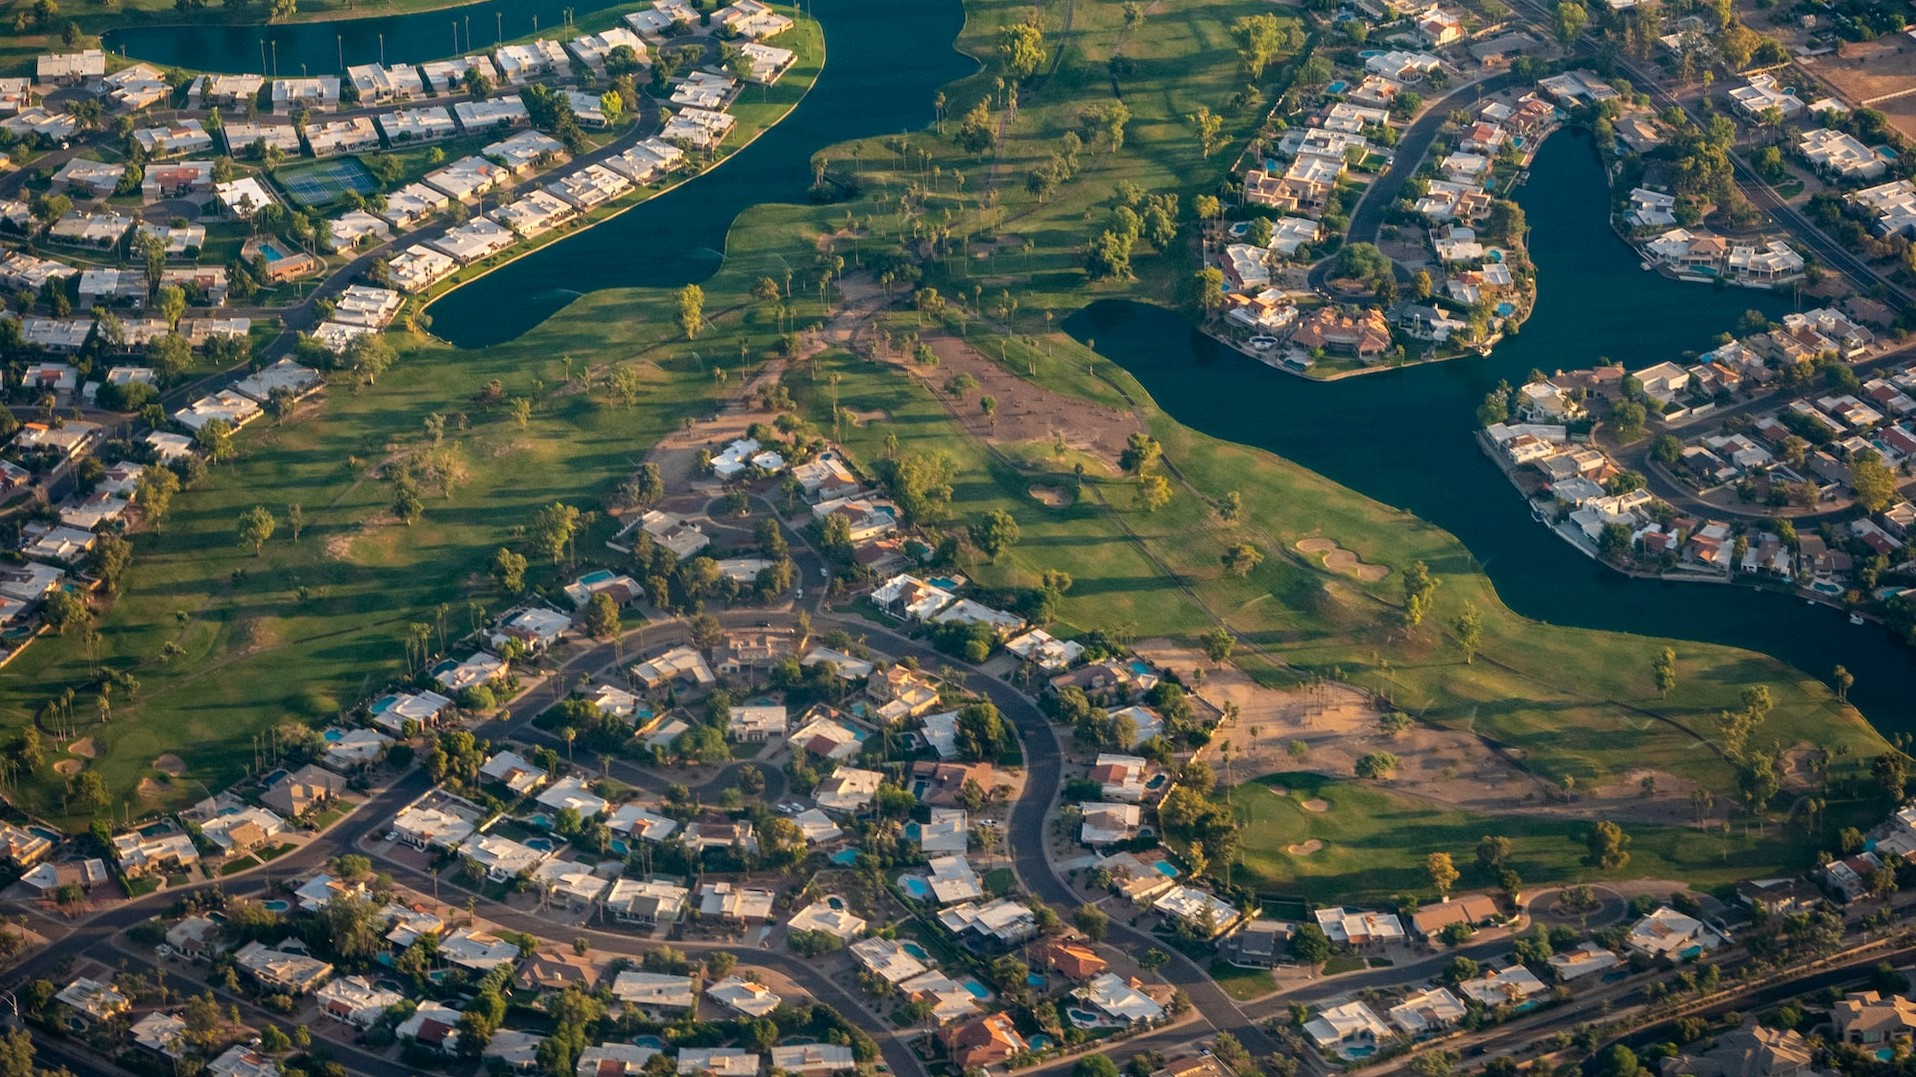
column 915, row 950
column 544, row 845
column 1166, row 869
column 1337, row 87
column 836, row 902
column 1041, row 1042
column 915, row 886
column 597, row 575
column 978, row 991
column 1034, row 979
column 654, row 1042
column 333, row 736
column 947, row 583
column 845, row 857
column 276, row 905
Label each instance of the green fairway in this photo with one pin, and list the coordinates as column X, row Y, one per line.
column 1375, row 842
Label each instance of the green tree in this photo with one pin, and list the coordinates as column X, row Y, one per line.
column 1242, row 559
column 255, row 527
column 1021, row 50
column 1571, row 18
column 1470, row 631
column 1664, row 669
column 1259, row 39
column 602, row 616
column 1443, row 873
column 1873, row 481
column 553, row 529
column 1492, row 851
column 995, row 534
column 510, row 569
column 691, row 315
column 1377, row 765
column 1420, row 588
column 1310, row 946
column 1608, row 846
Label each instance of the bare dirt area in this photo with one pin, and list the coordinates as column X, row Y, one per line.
column 1051, row 496
column 1326, row 728
column 170, row 765
column 1306, row 848
column 1026, row 409
column 150, row 790
column 1867, row 71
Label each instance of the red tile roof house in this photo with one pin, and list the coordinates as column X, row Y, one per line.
column 987, row 1041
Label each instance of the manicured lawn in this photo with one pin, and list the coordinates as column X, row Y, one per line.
column 1240, row 983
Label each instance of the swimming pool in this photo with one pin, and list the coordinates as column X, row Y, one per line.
column 654, row 1042
column 1139, row 665
column 1034, row 979
column 845, row 857
column 1337, row 87
column 946, row 583
column 619, row 846
column 1082, row 1018
column 833, row 901
column 915, row 886
column 978, row 991
column 334, row 736
column 544, row 845
column 1041, row 1042
column 913, row 832
column 1166, row 869
column 915, row 950
column 599, row 575
column 276, row 905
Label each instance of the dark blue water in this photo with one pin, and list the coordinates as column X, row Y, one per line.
column 318, row 48
column 885, row 59
column 1406, row 437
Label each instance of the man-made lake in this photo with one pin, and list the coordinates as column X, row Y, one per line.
column 1406, row 437
column 884, row 63
column 323, row 48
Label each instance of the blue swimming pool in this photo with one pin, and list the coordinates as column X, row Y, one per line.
column 915, row 950
column 653, row 1042
column 1034, row 979
column 618, row 845
column 978, row 991
column 836, row 902
column 1166, row 869
column 1139, row 665
column 1081, row 1017
column 544, row 845
column 945, row 582
column 1359, row 1052
column 1041, row 1042
column 596, row 576
column 1337, row 87
column 334, row 736
column 915, row 886
column 276, row 905
column 913, row 832
column 845, row 857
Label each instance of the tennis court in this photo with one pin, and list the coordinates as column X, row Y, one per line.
column 325, row 182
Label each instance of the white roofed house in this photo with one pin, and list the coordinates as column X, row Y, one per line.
column 1120, row 1001
column 1198, row 909
column 1427, row 1012
column 318, row 94
column 593, row 51
column 475, row 240
column 291, row 970
column 478, row 950
column 409, row 125
column 525, row 151
column 718, row 1062
column 534, row 213
column 492, row 114
column 355, row 1001
column 649, row 902
column 476, row 669
column 576, row 793
column 176, row 139
column 468, row 178
column 764, row 64
column 753, row 19
column 729, row 902
column 425, row 827
column 94, row 1000
column 757, row 724
column 1349, row 1030
column 593, row 185
column 654, row 991
column 520, row 64
column 379, row 85
column 352, row 135
column 886, row 959
column 812, row 1059
column 515, row 773
column 749, row 997
column 1107, row 824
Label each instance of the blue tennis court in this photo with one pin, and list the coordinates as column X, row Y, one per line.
column 325, row 182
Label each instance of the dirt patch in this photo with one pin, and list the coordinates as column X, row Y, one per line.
column 1317, row 804
column 1026, row 410
column 170, row 765
column 85, row 748
column 150, row 790
column 339, row 547
column 1051, row 496
column 1867, row 70
column 1306, row 848
column 873, row 415
column 1338, row 559
column 67, row 768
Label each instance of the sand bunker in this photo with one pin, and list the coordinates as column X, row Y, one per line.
column 149, row 789
column 865, row 418
column 67, row 768
column 1278, row 791
column 1317, row 804
column 1307, row 848
column 1051, row 496
column 170, row 765
column 85, row 748
column 1338, row 559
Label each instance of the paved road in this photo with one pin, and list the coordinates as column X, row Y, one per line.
column 1408, row 155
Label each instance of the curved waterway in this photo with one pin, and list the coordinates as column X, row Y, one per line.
column 884, row 61
column 325, row 48
column 1406, row 437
